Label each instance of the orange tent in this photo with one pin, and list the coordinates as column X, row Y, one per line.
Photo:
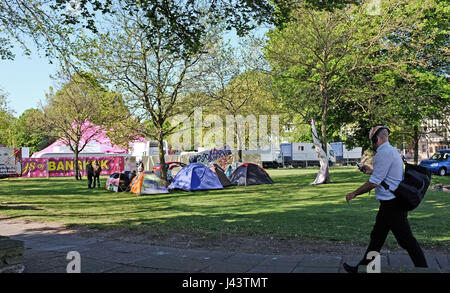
column 147, row 184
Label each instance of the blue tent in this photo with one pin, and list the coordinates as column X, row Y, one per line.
column 195, row 177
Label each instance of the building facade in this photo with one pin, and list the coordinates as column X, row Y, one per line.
column 435, row 136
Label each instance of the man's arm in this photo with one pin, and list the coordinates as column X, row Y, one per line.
column 366, row 187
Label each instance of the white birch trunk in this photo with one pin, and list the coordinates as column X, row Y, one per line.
column 323, row 175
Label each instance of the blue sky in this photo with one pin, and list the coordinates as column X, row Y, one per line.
column 25, row 79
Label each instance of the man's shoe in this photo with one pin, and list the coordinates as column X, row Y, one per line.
column 350, row 269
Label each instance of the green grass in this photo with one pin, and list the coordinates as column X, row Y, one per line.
column 290, row 208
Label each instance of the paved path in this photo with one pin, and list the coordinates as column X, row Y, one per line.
column 46, row 251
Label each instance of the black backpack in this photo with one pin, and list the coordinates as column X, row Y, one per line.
column 412, row 189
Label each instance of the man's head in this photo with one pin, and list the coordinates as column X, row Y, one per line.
column 378, row 135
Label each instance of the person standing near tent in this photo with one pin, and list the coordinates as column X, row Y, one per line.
column 90, row 173
column 97, row 170
column 392, row 216
column 140, row 168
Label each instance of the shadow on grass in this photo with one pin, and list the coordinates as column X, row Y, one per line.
column 19, row 207
column 290, row 208
column 327, row 222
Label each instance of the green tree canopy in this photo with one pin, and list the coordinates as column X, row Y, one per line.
column 26, row 134
column 66, row 113
column 7, row 120
column 154, row 81
column 351, row 70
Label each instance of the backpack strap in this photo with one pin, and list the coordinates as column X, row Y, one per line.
column 384, row 184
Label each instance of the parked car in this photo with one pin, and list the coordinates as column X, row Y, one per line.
column 172, row 169
column 439, row 163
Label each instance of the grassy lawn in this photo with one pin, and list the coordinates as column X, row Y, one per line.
column 291, row 208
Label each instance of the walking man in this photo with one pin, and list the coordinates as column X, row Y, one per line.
column 387, row 167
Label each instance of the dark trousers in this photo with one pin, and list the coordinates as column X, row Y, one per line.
column 97, row 180
column 89, row 181
column 392, row 217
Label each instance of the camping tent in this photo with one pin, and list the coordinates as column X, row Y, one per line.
column 118, row 182
column 147, row 183
column 231, row 168
column 250, row 174
column 221, row 175
column 195, row 177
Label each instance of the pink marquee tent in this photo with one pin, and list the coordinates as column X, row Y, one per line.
column 100, row 145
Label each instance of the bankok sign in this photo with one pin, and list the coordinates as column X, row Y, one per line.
column 64, row 167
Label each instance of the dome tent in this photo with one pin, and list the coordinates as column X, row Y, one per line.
column 195, row 177
column 221, row 175
column 250, row 174
column 118, row 182
column 147, row 183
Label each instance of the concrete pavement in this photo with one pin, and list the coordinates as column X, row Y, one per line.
column 46, row 252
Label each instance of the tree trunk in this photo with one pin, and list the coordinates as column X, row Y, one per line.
column 238, row 142
column 162, row 160
column 323, row 176
column 321, row 148
column 323, row 128
column 416, row 144
column 77, row 168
